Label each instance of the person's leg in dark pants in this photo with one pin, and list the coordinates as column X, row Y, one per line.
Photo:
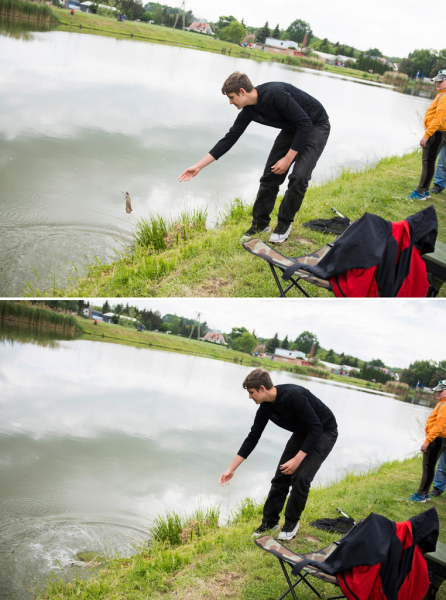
column 429, row 156
column 300, row 480
column 280, row 483
column 430, row 458
column 301, row 171
column 300, row 175
column 304, row 475
column 270, row 182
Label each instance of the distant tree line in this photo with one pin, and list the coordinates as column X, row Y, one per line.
column 428, row 372
column 426, row 62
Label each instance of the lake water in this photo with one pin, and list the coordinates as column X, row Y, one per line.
column 96, row 439
column 84, row 117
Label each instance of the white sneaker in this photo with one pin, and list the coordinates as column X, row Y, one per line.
column 254, row 230
column 288, row 531
column 280, row 234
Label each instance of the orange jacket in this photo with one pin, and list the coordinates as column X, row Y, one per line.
column 436, row 422
column 435, row 117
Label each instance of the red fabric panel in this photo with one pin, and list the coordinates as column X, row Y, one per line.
column 356, row 283
column 401, row 233
column 416, row 584
column 362, row 582
column 416, row 284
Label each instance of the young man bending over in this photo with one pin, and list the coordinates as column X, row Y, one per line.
column 304, row 132
column 314, row 433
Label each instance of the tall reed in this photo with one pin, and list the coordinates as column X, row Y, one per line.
column 36, row 11
column 393, row 78
column 159, row 234
column 36, row 316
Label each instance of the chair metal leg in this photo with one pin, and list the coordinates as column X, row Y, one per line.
column 282, row 291
column 291, row 586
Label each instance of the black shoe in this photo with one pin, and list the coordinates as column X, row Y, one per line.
column 436, row 492
column 289, row 530
column 254, row 230
column 264, row 527
column 436, row 189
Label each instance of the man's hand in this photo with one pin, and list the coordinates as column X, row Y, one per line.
column 424, row 447
column 289, row 467
column 423, row 141
column 281, row 166
column 226, row 477
column 189, row 173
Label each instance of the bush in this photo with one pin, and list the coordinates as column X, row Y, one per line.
column 106, row 12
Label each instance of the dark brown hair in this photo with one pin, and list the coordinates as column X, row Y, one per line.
column 235, row 82
column 257, row 378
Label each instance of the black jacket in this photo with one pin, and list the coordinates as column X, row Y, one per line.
column 279, row 105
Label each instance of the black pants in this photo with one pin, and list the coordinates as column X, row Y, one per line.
column 301, row 170
column 300, row 481
column 430, row 458
column 428, row 157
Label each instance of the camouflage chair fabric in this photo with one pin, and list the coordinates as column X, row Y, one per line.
column 261, row 249
column 285, row 555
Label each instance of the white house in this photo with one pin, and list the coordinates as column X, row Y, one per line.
column 200, row 28
column 289, row 353
column 281, row 43
column 88, row 4
column 216, row 338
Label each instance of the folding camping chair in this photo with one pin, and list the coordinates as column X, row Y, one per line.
column 287, row 557
column 281, row 262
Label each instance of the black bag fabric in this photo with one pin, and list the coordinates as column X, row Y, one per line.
column 341, row 524
column 336, row 225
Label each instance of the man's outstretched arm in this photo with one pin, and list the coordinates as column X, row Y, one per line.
column 227, row 475
column 196, row 168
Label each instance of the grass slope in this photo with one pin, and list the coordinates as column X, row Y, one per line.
column 223, row 562
column 213, row 263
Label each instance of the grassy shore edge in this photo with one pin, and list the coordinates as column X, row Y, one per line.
column 223, row 562
column 214, row 264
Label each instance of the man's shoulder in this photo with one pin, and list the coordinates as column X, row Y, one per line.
column 287, row 389
column 273, row 87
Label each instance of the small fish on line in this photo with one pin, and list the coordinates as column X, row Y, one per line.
column 128, row 204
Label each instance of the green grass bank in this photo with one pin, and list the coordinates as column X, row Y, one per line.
column 35, row 316
column 212, row 263
column 193, row 558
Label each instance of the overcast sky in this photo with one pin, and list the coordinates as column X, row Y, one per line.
column 396, row 27
column 397, row 331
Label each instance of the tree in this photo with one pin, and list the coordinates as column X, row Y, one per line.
column 263, row 33
column 105, row 307
column 133, row 10
column 420, row 370
column 305, row 341
column 374, row 52
column 233, row 33
column 285, row 344
column 408, row 67
column 272, row 344
column 376, row 362
column 157, row 14
column 423, row 60
column 276, row 33
column 297, row 30
column 245, row 343
column 438, row 66
column 236, row 332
